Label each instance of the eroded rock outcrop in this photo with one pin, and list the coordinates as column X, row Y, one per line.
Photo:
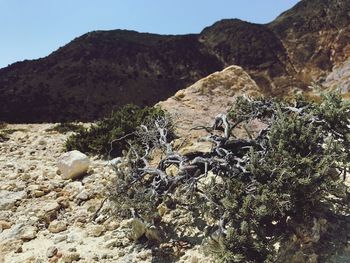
column 198, row 104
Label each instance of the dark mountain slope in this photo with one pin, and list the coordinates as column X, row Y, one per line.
column 99, row 70
column 255, row 48
column 86, row 78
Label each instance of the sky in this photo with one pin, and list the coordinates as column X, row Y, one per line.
column 32, row 29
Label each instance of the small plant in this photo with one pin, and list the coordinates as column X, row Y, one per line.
column 110, row 136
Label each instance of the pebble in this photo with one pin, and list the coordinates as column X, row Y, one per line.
column 57, row 226
column 39, row 193
column 70, row 257
column 29, row 233
column 51, row 251
column 59, row 238
column 96, row 230
column 83, row 196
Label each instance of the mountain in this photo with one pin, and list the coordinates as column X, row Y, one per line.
column 85, row 79
column 316, row 34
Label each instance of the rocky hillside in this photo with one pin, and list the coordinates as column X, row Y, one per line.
column 86, row 78
column 99, row 70
column 316, row 34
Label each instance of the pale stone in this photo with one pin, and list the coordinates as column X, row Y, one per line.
column 96, row 230
column 73, row 164
column 59, row 238
column 48, row 211
column 8, row 199
column 50, row 206
column 57, row 226
column 39, row 193
column 51, row 251
column 111, row 224
column 83, row 196
column 70, row 257
column 28, row 233
column 114, row 162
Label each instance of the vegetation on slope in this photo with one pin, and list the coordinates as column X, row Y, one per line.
column 110, row 136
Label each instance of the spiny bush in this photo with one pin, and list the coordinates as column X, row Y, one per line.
column 286, row 178
column 110, row 136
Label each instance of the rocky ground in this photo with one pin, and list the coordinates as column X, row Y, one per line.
column 45, row 218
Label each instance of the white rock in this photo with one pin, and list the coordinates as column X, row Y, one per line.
column 73, row 164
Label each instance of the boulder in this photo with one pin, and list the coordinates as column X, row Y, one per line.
column 73, row 164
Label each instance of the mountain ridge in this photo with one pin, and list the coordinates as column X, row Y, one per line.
column 85, row 79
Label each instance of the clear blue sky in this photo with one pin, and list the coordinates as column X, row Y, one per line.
column 34, row 28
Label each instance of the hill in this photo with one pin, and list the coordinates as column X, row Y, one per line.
column 100, row 70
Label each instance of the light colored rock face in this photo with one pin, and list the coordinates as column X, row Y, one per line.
column 198, row 104
column 73, row 164
column 339, row 78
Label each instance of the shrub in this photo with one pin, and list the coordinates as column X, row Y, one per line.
column 278, row 184
column 65, row 127
column 109, row 136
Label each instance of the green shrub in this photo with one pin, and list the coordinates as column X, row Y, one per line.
column 109, row 136
column 286, row 179
column 65, row 127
